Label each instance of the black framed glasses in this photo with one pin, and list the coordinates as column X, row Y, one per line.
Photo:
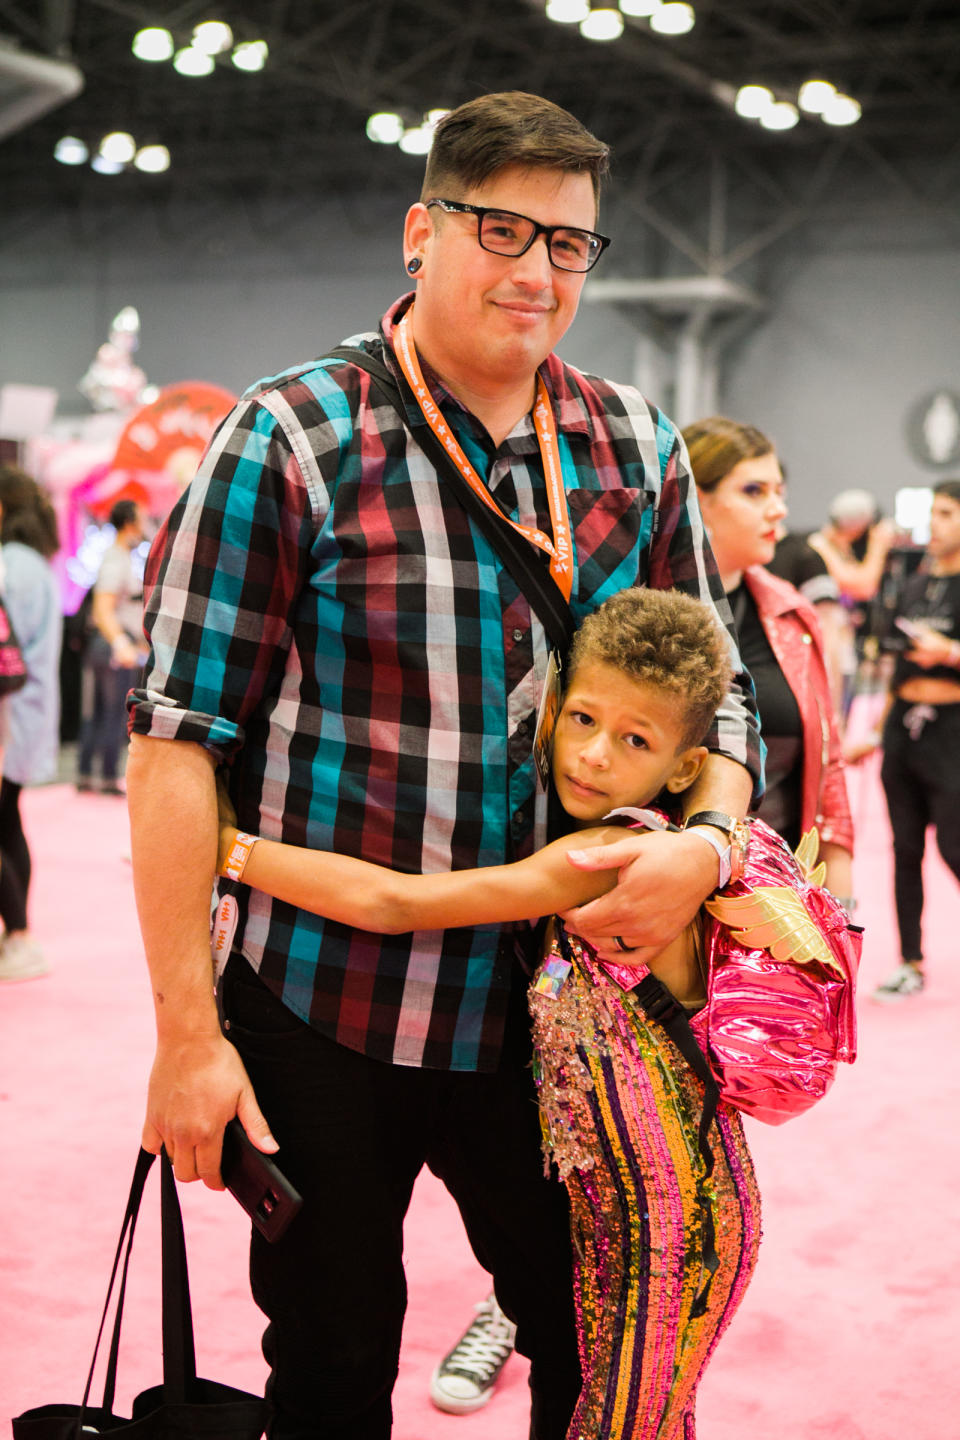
column 504, row 233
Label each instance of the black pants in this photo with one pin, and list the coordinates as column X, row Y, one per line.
column 921, row 780
column 353, row 1135
column 15, row 866
column 103, row 733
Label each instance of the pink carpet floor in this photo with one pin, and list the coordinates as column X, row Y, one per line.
column 850, row 1328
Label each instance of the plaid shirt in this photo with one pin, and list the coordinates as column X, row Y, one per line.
column 323, row 614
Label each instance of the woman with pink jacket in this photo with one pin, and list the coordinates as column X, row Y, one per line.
column 741, row 497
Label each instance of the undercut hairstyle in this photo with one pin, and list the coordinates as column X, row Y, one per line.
column 478, row 139
column 950, row 489
column 28, row 514
column 717, row 444
column 667, row 640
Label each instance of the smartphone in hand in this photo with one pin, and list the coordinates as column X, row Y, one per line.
column 257, row 1183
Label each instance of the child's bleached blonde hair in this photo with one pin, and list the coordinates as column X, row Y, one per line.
column 665, row 639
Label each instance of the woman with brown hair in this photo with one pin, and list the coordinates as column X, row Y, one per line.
column 740, row 486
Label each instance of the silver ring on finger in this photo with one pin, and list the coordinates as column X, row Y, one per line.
column 621, row 945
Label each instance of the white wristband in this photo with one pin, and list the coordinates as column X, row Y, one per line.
column 715, row 843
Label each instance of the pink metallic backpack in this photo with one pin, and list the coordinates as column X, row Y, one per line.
column 780, row 961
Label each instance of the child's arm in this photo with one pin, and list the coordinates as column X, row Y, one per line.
column 389, row 902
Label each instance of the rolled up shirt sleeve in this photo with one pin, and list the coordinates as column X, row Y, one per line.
column 222, row 584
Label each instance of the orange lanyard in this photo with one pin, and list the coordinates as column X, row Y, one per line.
column 559, row 547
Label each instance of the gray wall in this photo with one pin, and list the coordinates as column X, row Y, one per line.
column 856, row 336
column 861, row 323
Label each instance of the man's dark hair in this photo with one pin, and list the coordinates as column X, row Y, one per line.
column 123, row 512
column 475, row 141
column 28, row 516
column 949, row 488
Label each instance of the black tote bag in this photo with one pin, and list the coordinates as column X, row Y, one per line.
column 183, row 1407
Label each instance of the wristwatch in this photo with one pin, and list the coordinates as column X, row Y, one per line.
column 737, row 832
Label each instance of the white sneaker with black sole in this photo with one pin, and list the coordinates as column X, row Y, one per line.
column 906, row 980
column 466, row 1378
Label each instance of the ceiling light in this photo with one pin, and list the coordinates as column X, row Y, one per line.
column 435, row 116
column 602, row 25
column 152, row 159
column 250, row 55
column 752, row 101
column 118, row 146
column 780, row 116
column 673, row 19
column 384, row 128
column 568, row 12
column 103, row 166
column 212, row 37
column 842, row 110
column 642, row 9
column 153, row 44
column 192, row 62
column 417, row 140
column 815, row 95
column 70, row 151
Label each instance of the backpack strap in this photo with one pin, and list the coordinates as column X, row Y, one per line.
column 518, row 557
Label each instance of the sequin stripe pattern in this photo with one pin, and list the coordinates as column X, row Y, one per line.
column 620, row 1110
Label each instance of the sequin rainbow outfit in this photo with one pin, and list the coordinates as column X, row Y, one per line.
column 620, row 1109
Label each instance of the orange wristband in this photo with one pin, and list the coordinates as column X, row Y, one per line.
column 238, row 855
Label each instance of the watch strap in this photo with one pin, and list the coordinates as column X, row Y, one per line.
column 718, row 818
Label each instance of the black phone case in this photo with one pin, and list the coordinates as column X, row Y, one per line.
column 257, row 1183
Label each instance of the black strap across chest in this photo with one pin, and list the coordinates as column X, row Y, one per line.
column 519, row 557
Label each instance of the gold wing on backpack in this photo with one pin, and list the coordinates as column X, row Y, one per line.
column 806, row 857
column 774, row 918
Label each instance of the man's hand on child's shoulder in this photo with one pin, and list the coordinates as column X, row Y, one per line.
column 665, row 876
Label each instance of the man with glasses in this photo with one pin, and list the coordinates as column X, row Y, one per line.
column 328, row 622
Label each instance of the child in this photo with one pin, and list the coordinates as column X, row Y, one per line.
column 620, row 1106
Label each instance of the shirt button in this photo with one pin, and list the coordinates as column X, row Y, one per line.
column 518, row 817
column 518, row 635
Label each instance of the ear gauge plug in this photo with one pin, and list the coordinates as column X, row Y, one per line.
column 414, row 265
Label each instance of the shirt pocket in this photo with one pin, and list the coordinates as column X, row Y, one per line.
column 611, row 536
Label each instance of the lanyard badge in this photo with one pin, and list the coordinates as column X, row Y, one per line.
column 550, row 702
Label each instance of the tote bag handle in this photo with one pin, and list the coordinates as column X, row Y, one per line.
column 179, row 1357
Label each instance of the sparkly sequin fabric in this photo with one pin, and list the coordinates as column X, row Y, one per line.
column 620, row 1110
